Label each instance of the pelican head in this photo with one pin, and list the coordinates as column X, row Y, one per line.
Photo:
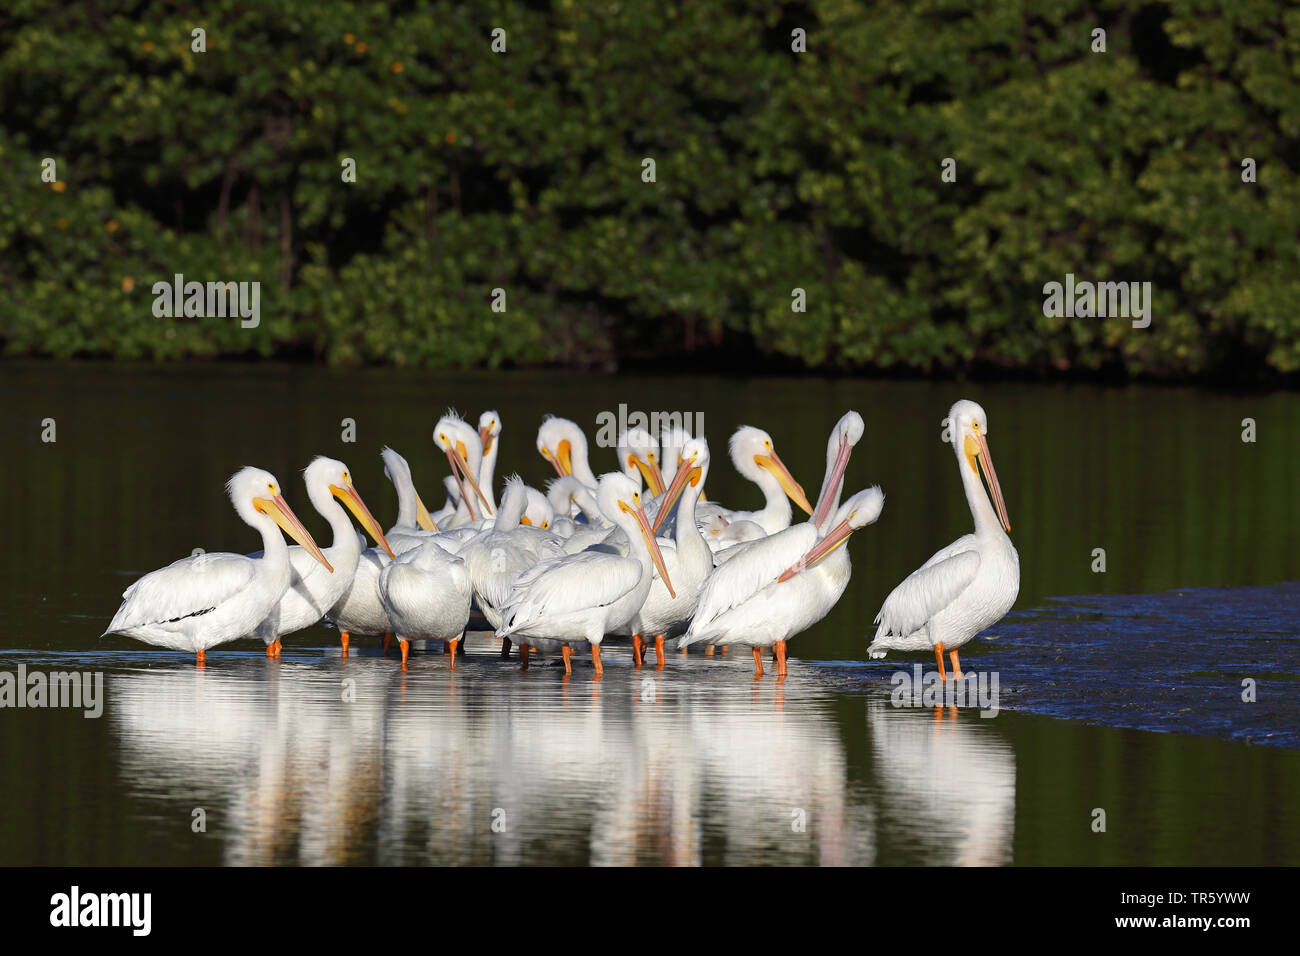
column 638, row 457
column 859, row 511
column 754, row 457
column 329, row 477
column 256, row 496
column 489, row 427
column 970, row 429
column 568, row 492
column 464, row 454
column 620, row 501
column 538, row 511
column 398, row 472
column 692, row 469
column 844, row 437
column 561, row 442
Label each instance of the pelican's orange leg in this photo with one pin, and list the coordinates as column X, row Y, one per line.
column 405, row 645
column 708, row 650
column 523, row 655
column 343, row 637
column 956, row 665
column 505, row 648
column 453, row 652
column 938, row 656
column 725, row 650
column 388, row 639
column 758, row 662
column 273, row 649
column 780, row 658
column 566, row 651
column 595, row 659
column 659, row 652
column 200, row 658
column 637, row 645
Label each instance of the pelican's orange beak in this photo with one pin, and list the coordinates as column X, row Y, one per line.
column 348, row 495
column 791, row 487
column 279, row 511
column 651, row 544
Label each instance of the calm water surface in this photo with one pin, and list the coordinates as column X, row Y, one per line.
column 317, row 759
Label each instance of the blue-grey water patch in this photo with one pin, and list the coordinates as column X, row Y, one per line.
column 1219, row 662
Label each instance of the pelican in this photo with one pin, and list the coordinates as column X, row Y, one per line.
column 208, row 599
column 687, row 557
column 464, row 452
column 360, row 609
column 426, row 594
column 781, row 585
column 495, row 558
column 756, row 459
column 562, row 443
column 590, row 527
column 588, row 595
column 567, row 493
column 313, row 592
column 970, row 584
column 489, row 430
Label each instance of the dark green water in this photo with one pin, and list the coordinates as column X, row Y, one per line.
column 705, row 765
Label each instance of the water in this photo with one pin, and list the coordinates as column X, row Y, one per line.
column 700, row 763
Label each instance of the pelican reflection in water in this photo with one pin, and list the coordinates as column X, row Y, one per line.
column 366, row 764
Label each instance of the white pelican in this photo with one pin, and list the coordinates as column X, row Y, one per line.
column 360, row 609
column 567, row 493
column 562, row 443
column 312, row 591
column 781, row 585
column 464, row 452
column 585, row 596
column 489, row 430
column 208, row 599
column 426, row 593
column 755, row 458
column 638, row 457
column 590, row 528
column 687, row 557
column 497, row 557
column 968, row 585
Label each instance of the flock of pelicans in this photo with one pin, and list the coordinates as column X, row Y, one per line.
column 637, row 553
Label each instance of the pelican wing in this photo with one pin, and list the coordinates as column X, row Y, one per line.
column 748, row 569
column 496, row 561
column 189, row 587
column 569, row 584
column 928, row 590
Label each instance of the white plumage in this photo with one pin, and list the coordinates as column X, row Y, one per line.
column 426, row 594
column 686, row 555
column 585, row 596
column 781, row 585
column 360, row 609
column 312, row 590
column 199, row 602
column 755, row 458
column 968, row 585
